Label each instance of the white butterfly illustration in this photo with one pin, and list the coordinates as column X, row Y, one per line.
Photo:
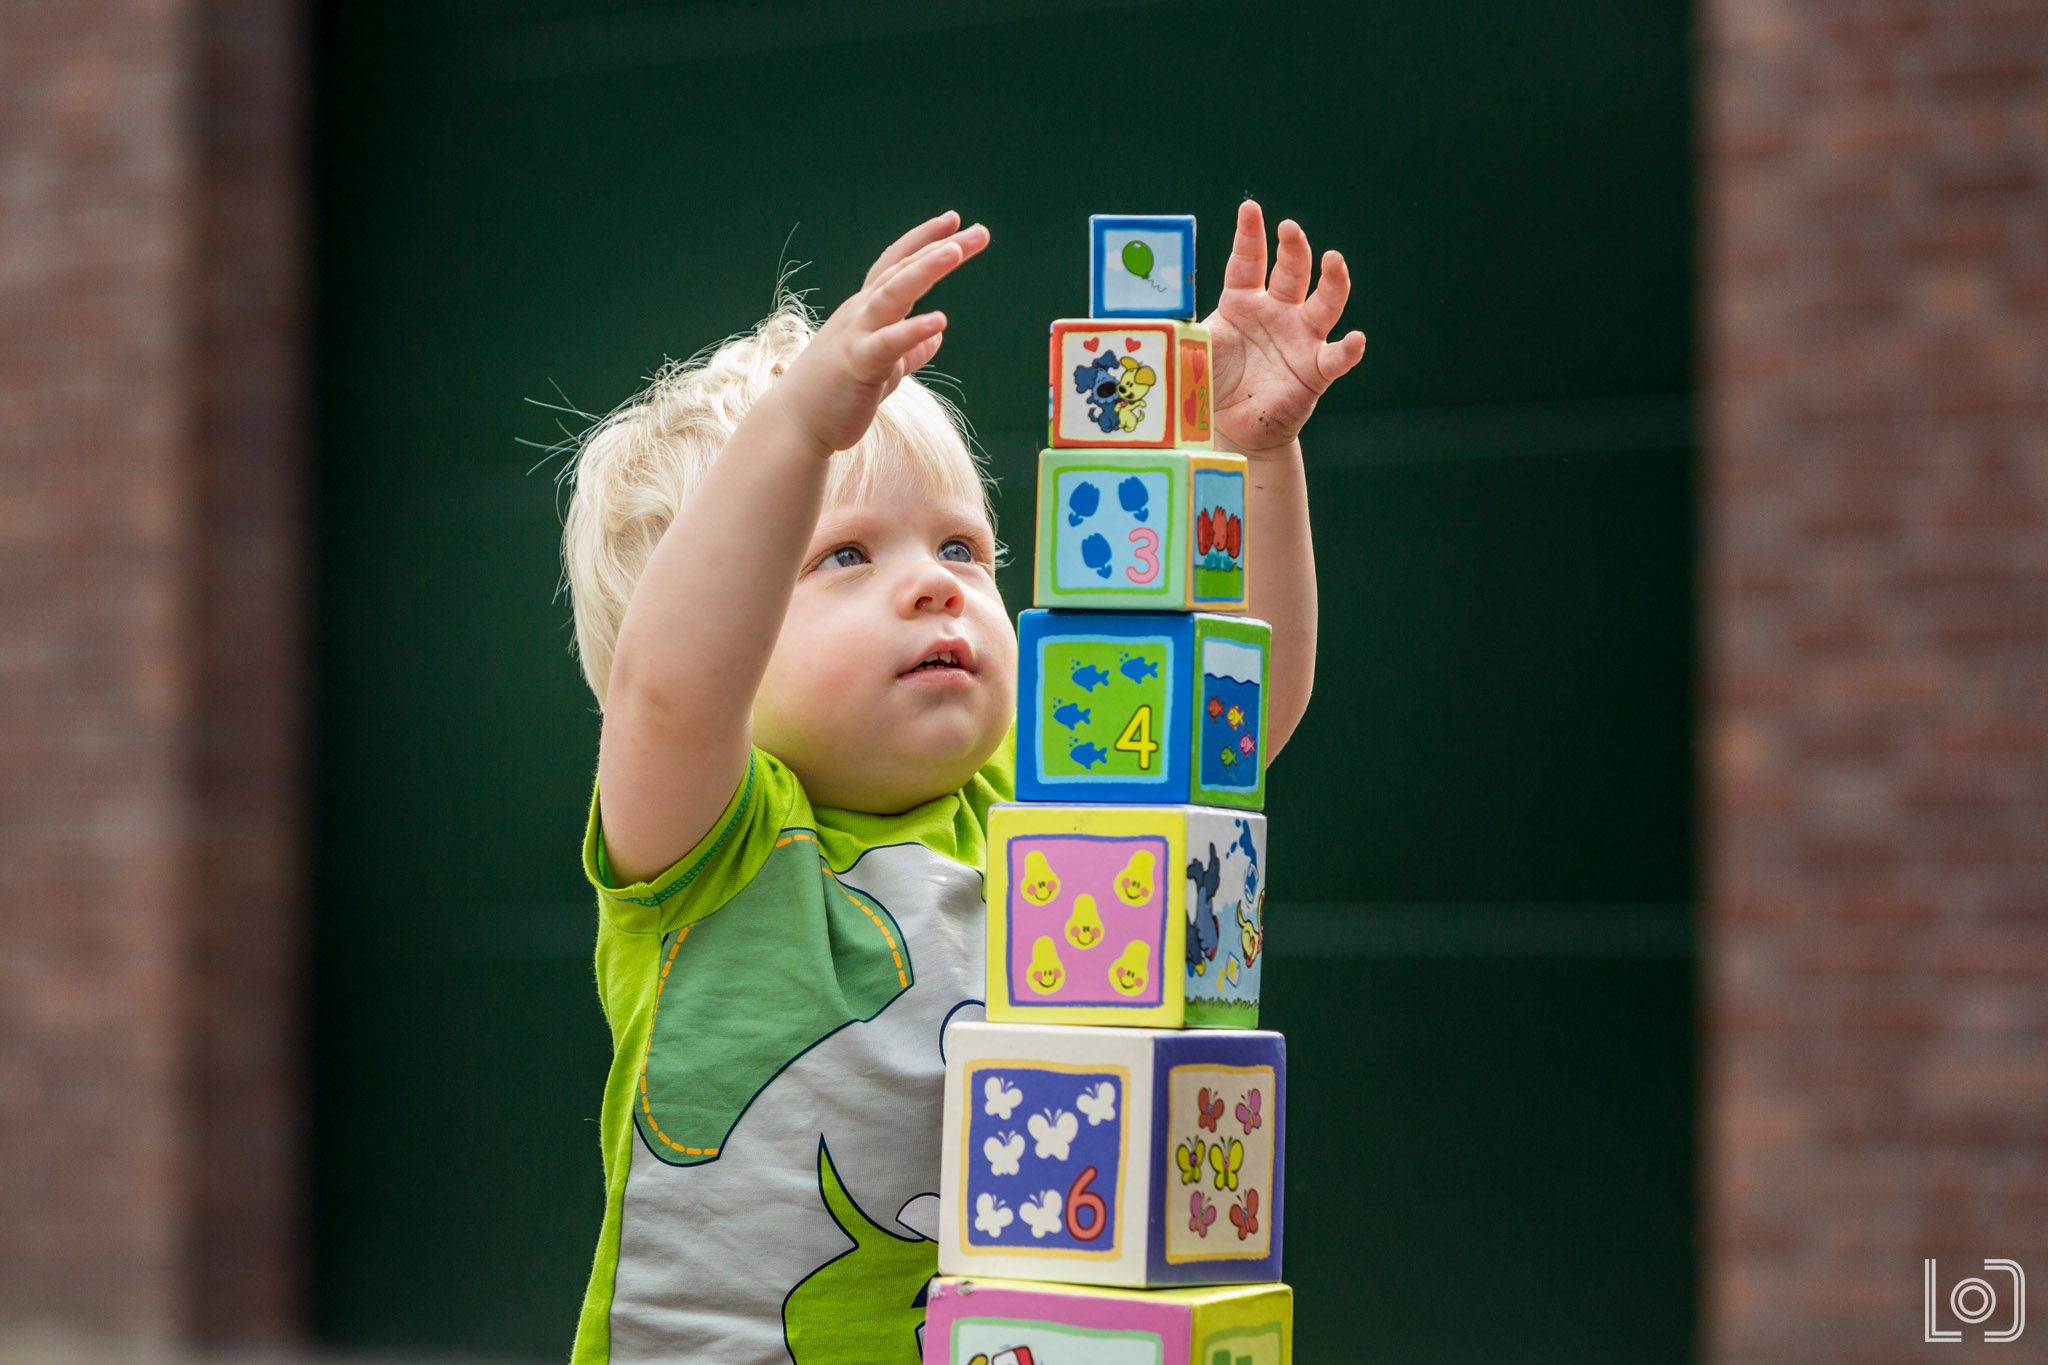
column 1003, row 1151
column 1098, row 1103
column 998, row 1099
column 992, row 1215
column 1042, row 1215
column 1052, row 1133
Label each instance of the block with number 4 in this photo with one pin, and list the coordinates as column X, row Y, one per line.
column 1136, row 1157
column 1017, row 1322
column 1137, row 916
column 1130, row 529
column 1156, row 708
column 1142, row 385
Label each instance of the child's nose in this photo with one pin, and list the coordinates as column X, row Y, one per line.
column 933, row 589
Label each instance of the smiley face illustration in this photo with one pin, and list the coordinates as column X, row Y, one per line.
column 1084, row 926
column 1046, row 973
column 1134, row 882
column 1040, row 884
column 1129, row 973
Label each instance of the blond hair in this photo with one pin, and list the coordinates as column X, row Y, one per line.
column 632, row 469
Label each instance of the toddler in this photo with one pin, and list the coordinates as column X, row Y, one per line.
column 782, row 561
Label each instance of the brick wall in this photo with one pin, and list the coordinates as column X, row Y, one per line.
column 1875, row 239
column 150, row 473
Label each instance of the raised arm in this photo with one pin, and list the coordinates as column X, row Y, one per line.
column 703, row 618
column 1271, row 363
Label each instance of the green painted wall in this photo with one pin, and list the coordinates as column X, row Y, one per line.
column 1483, row 834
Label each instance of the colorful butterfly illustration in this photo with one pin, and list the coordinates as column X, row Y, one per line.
column 1201, row 1213
column 1226, row 1163
column 1246, row 1215
column 1208, row 1112
column 1188, row 1156
column 1248, row 1112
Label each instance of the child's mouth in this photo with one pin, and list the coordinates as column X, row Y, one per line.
column 948, row 658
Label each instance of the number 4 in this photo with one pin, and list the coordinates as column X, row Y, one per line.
column 1137, row 738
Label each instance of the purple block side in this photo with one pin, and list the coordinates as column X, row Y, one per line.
column 1218, row 1047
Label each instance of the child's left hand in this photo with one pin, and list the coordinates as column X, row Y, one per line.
column 1270, row 361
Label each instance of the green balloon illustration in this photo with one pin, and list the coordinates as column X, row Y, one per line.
column 1138, row 259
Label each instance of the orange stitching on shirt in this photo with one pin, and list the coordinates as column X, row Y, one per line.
column 895, row 953
column 648, row 1052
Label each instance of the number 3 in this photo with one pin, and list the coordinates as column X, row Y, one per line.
column 1145, row 541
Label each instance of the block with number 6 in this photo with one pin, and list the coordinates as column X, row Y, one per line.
column 1016, row 1322
column 1134, row 530
column 1113, row 1156
column 1157, row 708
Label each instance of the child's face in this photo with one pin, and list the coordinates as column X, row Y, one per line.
column 845, row 703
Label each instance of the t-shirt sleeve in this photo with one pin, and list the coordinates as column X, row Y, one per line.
column 709, row 875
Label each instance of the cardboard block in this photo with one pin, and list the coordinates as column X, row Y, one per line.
column 1152, row 708
column 1129, row 530
column 1141, row 265
column 1129, row 385
column 1016, row 1322
column 1134, row 916
column 1113, row 1156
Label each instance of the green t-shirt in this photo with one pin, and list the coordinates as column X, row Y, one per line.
column 771, row 1120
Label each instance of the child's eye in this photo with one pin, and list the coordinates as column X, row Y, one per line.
column 957, row 550
column 845, row 557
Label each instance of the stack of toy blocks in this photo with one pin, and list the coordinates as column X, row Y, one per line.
column 1111, row 1185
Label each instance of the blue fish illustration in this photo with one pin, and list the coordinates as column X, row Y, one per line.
column 1131, row 493
column 1087, row 754
column 1082, row 502
column 1088, row 677
column 1070, row 715
column 1095, row 554
column 1137, row 669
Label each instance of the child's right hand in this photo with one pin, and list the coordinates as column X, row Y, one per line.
column 869, row 344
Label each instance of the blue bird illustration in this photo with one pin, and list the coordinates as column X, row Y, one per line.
column 1203, row 930
column 1087, row 754
column 1070, row 715
column 1088, row 677
column 1131, row 493
column 1096, row 555
column 1082, row 502
column 1138, row 669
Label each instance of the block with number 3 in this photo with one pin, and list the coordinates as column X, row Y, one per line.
column 1156, row 708
column 1129, row 530
column 1113, row 1156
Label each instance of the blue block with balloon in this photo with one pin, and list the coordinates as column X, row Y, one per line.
column 1141, row 265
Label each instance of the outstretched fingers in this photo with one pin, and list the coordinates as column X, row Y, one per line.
column 1333, row 290
column 1246, row 268
column 900, row 289
column 879, row 353
column 1334, row 359
column 1290, row 264
column 909, row 244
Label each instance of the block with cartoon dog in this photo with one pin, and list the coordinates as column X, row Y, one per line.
column 1134, row 916
column 1113, row 1156
column 1015, row 1322
column 1129, row 384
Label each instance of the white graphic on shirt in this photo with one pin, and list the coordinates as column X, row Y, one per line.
column 756, row 1209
